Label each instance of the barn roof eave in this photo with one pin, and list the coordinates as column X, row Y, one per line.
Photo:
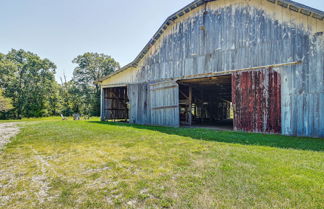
column 130, row 65
column 288, row 4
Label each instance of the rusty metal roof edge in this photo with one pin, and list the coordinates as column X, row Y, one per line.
column 195, row 4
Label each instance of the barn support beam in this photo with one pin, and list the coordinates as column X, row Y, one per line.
column 266, row 67
column 190, row 106
column 187, row 104
column 102, row 104
column 183, row 94
column 206, row 101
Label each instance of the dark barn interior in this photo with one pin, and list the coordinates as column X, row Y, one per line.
column 206, row 102
column 116, row 104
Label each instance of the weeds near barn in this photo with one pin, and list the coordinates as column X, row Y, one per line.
column 90, row 164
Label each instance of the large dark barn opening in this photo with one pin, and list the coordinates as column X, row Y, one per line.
column 116, row 104
column 206, row 102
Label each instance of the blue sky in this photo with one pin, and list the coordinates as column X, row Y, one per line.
column 62, row 29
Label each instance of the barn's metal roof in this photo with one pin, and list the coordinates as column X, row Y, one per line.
column 292, row 5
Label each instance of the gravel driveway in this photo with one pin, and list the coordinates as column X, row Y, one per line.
column 7, row 130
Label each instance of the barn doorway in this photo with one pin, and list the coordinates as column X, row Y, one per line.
column 115, row 104
column 206, row 102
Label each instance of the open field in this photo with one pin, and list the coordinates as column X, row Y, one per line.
column 91, row 164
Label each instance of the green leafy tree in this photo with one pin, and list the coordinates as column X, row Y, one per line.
column 71, row 98
column 91, row 67
column 5, row 103
column 29, row 84
column 54, row 100
column 27, row 80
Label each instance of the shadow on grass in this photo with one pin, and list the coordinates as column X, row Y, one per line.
column 279, row 141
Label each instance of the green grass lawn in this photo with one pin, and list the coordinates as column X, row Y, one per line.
column 91, row 164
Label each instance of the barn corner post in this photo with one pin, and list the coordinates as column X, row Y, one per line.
column 234, row 101
column 102, row 104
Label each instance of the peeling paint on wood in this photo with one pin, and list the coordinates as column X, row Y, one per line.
column 256, row 97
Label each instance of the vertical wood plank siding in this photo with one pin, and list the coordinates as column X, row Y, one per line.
column 133, row 101
column 164, row 99
column 256, row 97
column 155, row 104
column 139, row 100
column 102, row 102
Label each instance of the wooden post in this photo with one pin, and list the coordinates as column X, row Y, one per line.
column 102, row 97
column 190, row 106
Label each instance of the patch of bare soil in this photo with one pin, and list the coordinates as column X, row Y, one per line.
column 41, row 180
column 7, row 130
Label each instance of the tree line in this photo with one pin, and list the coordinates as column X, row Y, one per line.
column 28, row 87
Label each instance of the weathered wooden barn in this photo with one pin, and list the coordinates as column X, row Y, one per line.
column 254, row 65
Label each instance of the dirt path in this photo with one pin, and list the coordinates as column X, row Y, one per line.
column 7, row 130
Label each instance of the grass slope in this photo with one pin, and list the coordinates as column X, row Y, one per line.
column 90, row 164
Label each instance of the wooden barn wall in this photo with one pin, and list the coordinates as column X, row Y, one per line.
column 154, row 104
column 121, row 79
column 133, row 101
column 228, row 38
column 139, row 104
column 241, row 35
column 105, row 114
column 256, row 97
column 164, row 99
column 303, row 92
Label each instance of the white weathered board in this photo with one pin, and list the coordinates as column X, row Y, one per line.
column 139, row 103
column 164, row 98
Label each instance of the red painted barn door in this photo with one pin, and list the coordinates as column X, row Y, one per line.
column 256, row 97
